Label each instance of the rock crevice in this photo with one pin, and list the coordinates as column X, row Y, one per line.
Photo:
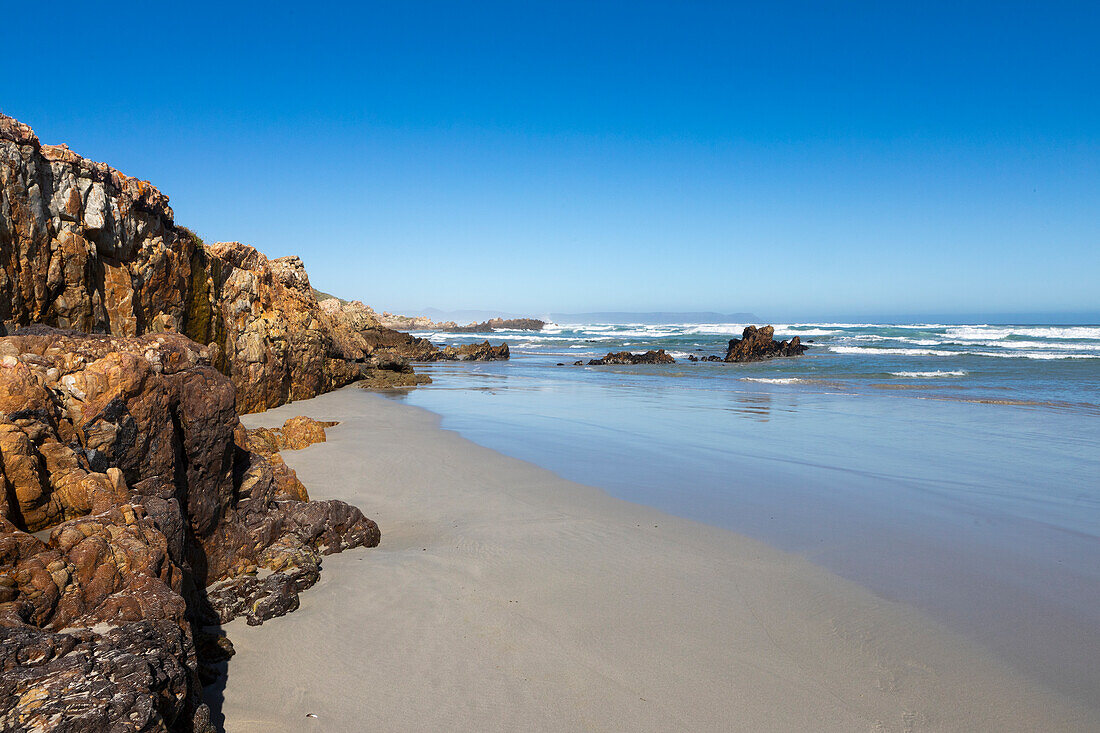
column 135, row 510
column 85, row 247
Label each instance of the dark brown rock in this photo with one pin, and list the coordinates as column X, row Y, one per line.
column 135, row 676
column 757, row 344
column 626, row 357
column 385, row 379
column 473, row 352
column 510, row 324
column 130, row 452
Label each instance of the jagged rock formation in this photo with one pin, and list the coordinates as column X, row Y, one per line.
column 412, row 323
column 132, row 513
column 626, row 357
column 472, row 352
column 511, row 324
column 423, row 323
column 295, row 434
column 757, row 344
column 392, row 348
column 86, row 247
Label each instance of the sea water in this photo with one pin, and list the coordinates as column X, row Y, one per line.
column 952, row 467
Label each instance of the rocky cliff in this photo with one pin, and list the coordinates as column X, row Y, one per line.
column 85, row 247
column 134, row 514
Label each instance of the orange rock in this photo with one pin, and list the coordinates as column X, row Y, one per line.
column 88, row 248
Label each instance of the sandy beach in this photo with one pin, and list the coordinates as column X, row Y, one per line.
column 503, row 597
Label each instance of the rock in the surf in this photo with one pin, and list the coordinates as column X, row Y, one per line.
column 626, row 357
column 758, row 344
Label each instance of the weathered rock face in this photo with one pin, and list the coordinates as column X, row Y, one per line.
column 757, row 344
column 295, row 434
column 83, row 246
column 626, row 357
column 412, row 323
column 512, row 324
column 279, row 344
column 394, row 349
column 472, row 352
column 400, row 345
column 423, row 323
column 129, row 452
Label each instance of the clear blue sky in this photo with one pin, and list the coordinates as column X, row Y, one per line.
column 796, row 160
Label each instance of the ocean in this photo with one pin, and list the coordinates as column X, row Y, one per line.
column 952, row 467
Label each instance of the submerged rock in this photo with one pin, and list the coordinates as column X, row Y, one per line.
column 130, row 454
column 757, row 344
column 626, row 357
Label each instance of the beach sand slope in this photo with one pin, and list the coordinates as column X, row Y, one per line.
column 504, row 598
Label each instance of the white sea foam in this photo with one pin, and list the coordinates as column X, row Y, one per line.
column 1043, row 355
column 917, row 326
column 888, row 350
column 1046, row 345
column 899, row 339
column 985, row 332
column 773, row 380
column 1006, row 354
column 929, row 375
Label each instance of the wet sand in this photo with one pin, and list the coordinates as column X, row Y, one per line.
column 504, row 597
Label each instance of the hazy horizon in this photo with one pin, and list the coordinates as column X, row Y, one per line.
column 785, row 158
column 463, row 315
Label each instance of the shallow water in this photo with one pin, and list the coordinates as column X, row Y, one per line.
column 961, row 482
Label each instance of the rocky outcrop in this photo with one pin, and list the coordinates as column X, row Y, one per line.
column 295, row 434
column 390, row 349
column 626, row 357
column 757, row 344
column 510, row 324
column 472, row 352
column 412, row 323
column 133, row 513
column 394, row 349
column 423, row 323
column 85, row 247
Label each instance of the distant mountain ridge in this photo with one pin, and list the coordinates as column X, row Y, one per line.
column 654, row 317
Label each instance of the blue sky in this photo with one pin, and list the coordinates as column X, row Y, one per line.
column 795, row 160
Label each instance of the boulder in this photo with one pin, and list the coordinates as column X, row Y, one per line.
column 626, row 357
column 757, row 344
column 472, row 352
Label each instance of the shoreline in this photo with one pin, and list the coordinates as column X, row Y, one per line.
column 505, row 597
